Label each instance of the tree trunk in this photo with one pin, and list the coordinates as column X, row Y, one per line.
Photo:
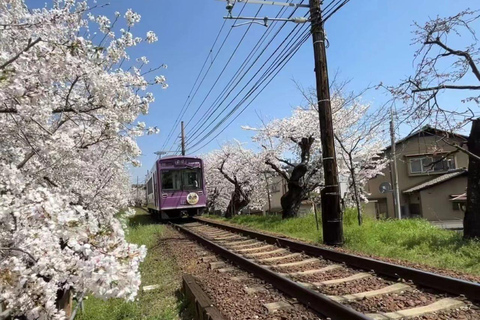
column 471, row 222
column 355, row 193
column 236, row 204
column 293, row 198
column 64, row 301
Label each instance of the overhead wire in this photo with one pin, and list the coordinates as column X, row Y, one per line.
column 285, row 45
column 273, row 71
column 294, row 51
column 229, row 60
column 242, row 67
column 194, row 84
column 185, row 106
column 267, row 77
column 240, row 71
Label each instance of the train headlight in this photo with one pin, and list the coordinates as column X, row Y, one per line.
column 192, row 198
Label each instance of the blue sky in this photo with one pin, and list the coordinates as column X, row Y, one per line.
column 370, row 42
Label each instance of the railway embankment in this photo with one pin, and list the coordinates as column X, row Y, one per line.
column 412, row 243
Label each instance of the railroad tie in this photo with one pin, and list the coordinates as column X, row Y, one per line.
column 272, row 259
column 437, row 306
column 259, row 254
column 298, row 263
column 255, row 249
column 321, row 270
column 394, row 288
column 357, row 276
column 275, row 306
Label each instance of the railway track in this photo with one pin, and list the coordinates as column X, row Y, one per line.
column 339, row 285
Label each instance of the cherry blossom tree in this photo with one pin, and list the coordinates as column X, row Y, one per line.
column 359, row 139
column 447, row 60
column 297, row 136
column 235, row 174
column 358, row 145
column 67, row 132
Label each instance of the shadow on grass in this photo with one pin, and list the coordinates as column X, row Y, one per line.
column 141, row 220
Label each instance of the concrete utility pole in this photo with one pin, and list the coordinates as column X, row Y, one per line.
column 183, row 140
column 396, row 193
column 330, row 195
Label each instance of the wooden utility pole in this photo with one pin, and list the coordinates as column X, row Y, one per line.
column 183, row 140
column 396, row 193
column 332, row 223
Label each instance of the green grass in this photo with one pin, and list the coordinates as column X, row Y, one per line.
column 163, row 304
column 413, row 240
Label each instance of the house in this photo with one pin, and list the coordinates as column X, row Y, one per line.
column 431, row 172
column 277, row 186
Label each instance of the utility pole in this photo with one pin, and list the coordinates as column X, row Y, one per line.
column 183, row 140
column 396, row 193
column 330, row 195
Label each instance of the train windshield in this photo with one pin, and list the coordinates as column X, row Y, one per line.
column 183, row 179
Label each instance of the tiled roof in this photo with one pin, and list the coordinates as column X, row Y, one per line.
column 428, row 130
column 437, row 180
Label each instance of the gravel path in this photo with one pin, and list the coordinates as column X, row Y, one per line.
column 230, row 296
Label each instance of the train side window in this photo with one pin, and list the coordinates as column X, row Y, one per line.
column 149, row 186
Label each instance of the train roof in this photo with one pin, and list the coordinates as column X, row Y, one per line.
column 178, row 157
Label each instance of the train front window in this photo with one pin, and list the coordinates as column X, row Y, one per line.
column 171, row 180
column 183, row 179
column 192, row 179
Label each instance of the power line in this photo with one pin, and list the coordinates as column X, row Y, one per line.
column 298, row 46
column 240, row 70
column 185, row 106
column 282, row 52
column 333, row 9
column 229, row 60
column 194, row 84
column 271, row 70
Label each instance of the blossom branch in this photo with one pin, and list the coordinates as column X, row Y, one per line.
column 30, row 44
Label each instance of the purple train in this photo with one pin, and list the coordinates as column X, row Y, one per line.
column 176, row 188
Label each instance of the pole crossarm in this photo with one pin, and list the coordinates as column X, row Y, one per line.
column 272, row 3
column 266, row 19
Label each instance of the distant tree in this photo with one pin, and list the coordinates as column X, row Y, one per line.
column 297, row 136
column 236, row 176
column 359, row 141
column 441, row 67
column 67, row 133
column 358, row 147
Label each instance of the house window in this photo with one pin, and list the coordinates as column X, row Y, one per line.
column 431, row 164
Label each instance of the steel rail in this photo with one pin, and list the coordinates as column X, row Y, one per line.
column 312, row 299
column 421, row 278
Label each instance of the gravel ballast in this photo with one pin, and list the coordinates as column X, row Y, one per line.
column 230, row 296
